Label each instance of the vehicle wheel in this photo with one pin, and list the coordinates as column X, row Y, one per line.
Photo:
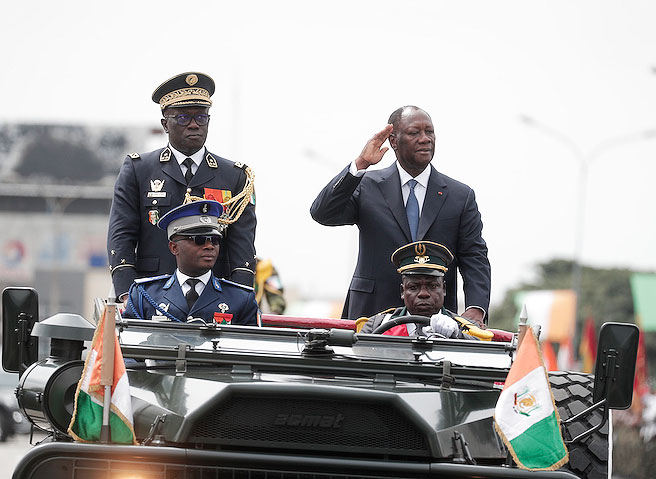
column 572, row 391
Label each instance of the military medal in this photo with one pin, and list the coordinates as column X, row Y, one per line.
column 153, row 217
column 217, row 195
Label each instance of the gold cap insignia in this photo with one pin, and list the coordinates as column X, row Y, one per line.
column 211, row 162
column 191, row 80
column 420, row 249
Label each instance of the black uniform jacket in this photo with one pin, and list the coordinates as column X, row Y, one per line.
column 151, row 184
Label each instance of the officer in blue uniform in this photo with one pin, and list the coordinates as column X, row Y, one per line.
column 192, row 292
column 150, row 184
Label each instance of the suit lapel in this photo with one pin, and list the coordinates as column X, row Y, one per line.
column 390, row 187
column 436, row 194
column 203, row 175
column 206, row 297
column 174, row 296
column 172, row 169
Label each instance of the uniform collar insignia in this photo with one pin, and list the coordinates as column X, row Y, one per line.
column 165, row 155
column 169, row 282
column 211, row 161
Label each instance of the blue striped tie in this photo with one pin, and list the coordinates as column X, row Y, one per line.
column 412, row 210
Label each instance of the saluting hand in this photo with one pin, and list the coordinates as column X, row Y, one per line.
column 372, row 152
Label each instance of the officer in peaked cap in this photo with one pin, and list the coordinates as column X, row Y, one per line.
column 192, row 292
column 422, row 265
column 150, row 184
column 186, row 89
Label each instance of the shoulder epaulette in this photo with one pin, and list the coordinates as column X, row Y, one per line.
column 389, row 310
column 152, row 278
column 243, row 286
column 134, row 156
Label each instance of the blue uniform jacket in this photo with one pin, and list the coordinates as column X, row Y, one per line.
column 221, row 301
column 147, row 187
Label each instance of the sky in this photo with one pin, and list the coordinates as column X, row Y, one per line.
column 301, row 87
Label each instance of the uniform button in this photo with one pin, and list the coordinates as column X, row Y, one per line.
column 154, row 202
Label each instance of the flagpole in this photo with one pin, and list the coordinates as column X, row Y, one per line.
column 523, row 325
column 107, row 365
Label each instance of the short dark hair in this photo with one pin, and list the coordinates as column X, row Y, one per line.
column 395, row 117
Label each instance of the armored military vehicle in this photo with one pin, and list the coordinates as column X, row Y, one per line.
column 319, row 401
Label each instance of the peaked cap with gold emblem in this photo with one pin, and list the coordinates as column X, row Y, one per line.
column 422, row 257
column 185, row 89
column 194, row 218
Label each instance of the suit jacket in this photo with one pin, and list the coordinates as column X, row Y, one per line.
column 148, row 186
column 220, row 301
column 374, row 203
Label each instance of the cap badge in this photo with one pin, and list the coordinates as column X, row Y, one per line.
column 156, row 185
column 224, row 307
column 191, row 80
column 420, row 249
column 205, row 219
column 205, row 208
column 422, row 259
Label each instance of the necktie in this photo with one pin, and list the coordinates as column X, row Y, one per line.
column 412, row 210
column 191, row 295
column 188, row 175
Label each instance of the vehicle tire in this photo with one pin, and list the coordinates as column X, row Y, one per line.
column 572, row 391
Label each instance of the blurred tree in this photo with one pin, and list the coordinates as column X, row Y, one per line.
column 605, row 296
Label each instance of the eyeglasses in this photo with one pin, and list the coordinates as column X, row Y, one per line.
column 200, row 240
column 201, row 119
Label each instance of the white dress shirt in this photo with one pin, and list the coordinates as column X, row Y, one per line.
column 200, row 286
column 196, row 158
column 420, row 187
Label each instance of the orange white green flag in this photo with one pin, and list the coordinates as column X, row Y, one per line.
column 525, row 415
column 87, row 419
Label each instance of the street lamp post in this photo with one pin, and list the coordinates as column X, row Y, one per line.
column 584, row 159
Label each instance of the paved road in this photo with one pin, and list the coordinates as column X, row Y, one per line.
column 11, row 452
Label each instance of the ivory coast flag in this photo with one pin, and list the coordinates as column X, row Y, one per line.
column 87, row 417
column 525, row 415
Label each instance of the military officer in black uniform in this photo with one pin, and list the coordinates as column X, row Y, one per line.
column 192, row 292
column 150, row 184
column 422, row 265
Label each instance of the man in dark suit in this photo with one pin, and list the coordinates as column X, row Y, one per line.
column 192, row 292
column 150, row 184
column 406, row 202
